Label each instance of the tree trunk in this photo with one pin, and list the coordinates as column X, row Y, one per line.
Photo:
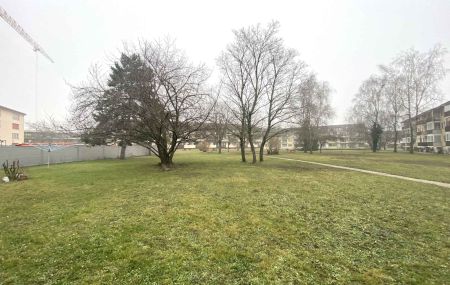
column 263, row 144
column 395, row 138
column 411, row 135
column 242, row 145
column 220, row 146
column 166, row 161
column 374, row 144
column 310, row 142
column 123, row 148
column 261, row 151
column 165, row 157
column 252, row 147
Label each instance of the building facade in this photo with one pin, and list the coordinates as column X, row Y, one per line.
column 431, row 130
column 345, row 136
column 11, row 126
column 50, row 137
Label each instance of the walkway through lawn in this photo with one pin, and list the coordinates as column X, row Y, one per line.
column 442, row 184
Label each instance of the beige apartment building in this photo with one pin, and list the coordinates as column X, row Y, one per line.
column 11, row 126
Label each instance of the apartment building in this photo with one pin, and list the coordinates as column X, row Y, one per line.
column 431, row 130
column 345, row 136
column 11, row 126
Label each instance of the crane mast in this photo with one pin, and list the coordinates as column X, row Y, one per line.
column 36, row 48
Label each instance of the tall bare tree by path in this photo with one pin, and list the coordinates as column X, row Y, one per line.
column 260, row 75
column 313, row 110
column 324, row 111
column 259, row 42
column 284, row 75
column 393, row 93
column 421, row 74
column 369, row 107
column 235, row 82
column 305, row 111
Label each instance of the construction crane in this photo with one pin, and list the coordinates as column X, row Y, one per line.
column 36, row 47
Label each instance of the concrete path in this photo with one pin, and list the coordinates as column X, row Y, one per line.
column 441, row 184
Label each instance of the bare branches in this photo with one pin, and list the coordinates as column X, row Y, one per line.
column 405, row 88
column 154, row 97
column 260, row 76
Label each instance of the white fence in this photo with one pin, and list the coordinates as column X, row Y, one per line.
column 29, row 156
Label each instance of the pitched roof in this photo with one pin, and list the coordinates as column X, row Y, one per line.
column 9, row 109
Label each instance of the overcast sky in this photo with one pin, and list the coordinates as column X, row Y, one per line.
column 342, row 41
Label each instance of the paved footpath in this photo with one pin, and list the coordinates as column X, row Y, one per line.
column 441, row 184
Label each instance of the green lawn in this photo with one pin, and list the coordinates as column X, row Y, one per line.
column 214, row 220
column 419, row 165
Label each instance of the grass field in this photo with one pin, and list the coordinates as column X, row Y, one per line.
column 419, row 165
column 214, row 220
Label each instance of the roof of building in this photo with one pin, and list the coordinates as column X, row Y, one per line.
column 9, row 109
column 431, row 109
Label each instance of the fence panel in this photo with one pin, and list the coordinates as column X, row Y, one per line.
column 29, row 156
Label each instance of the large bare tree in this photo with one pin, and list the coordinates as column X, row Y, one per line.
column 260, row 75
column 235, row 82
column 313, row 110
column 394, row 104
column 166, row 99
column 421, row 74
column 175, row 105
column 369, row 106
column 284, row 75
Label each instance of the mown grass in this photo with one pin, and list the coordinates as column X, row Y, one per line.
column 214, row 220
column 419, row 165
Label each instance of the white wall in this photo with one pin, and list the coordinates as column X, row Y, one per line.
column 29, row 156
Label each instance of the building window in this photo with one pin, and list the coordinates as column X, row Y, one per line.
column 15, row 136
column 447, row 136
column 420, row 128
column 15, row 117
column 15, row 126
column 447, row 108
column 430, row 126
column 430, row 138
column 437, row 138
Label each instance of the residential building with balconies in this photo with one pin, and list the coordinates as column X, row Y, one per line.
column 431, row 130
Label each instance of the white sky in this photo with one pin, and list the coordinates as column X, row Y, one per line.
column 342, row 41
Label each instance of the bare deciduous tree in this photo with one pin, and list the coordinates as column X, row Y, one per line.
column 314, row 110
column 369, row 107
column 172, row 108
column 260, row 76
column 235, row 81
column 284, row 74
column 420, row 74
column 163, row 96
column 394, row 107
